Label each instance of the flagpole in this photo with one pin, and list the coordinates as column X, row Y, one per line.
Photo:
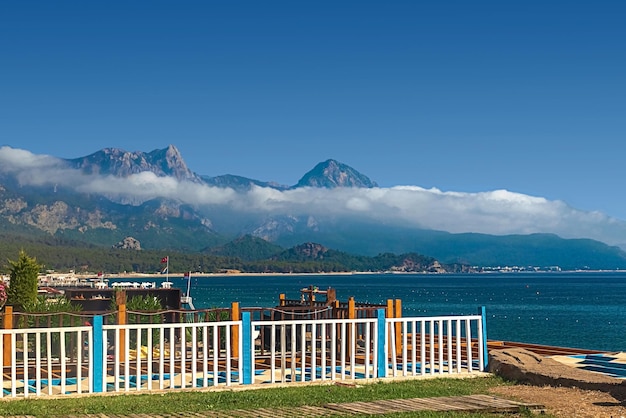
column 167, row 269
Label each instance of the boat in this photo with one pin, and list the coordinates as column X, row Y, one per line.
column 186, row 299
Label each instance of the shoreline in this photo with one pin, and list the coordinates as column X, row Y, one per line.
column 207, row 275
column 125, row 275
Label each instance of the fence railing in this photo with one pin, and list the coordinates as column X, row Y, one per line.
column 436, row 345
column 170, row 356
column 327, row 349
column 186, row 355
column 50, row 361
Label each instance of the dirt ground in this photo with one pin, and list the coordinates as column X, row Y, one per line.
column 566, row 402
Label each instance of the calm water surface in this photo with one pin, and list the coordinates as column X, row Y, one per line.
column 585, row 310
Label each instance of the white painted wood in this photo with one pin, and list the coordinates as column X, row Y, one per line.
column 315, row 349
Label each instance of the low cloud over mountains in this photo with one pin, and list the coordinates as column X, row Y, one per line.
column 497, row 212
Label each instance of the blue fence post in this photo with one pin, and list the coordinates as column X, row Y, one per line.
column 98, row 357
column 382, row 342
column 246, row 355
column 483, row 314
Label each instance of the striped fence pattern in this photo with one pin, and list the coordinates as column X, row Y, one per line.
column 148, row 357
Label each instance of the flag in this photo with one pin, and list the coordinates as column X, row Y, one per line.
column 187, row 274
column 164, row 260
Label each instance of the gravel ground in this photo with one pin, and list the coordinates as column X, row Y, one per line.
column 566, row 402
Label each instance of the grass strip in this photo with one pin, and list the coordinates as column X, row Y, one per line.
column 196, row 401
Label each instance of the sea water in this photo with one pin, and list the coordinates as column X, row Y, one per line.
column 579, row 309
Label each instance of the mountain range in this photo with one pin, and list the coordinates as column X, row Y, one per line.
column 155, row 200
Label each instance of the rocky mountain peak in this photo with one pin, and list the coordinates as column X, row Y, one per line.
column 171, row 163
column 331, row 174
column 121, row 163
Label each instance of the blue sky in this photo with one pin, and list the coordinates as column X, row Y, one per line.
column 527, row 96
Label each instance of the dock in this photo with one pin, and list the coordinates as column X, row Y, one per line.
column 543, row 350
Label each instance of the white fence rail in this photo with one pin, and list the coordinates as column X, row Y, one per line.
column 143, row 357
column 46, row 361
column 169, row 356
column 310, row 350
column 436, row 345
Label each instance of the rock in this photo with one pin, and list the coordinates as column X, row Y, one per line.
column 128, row 243
column 523, row 366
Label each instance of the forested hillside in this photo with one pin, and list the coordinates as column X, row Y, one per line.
column 65, row 255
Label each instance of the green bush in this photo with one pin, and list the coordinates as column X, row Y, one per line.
column 44, row 312
column 23, row 284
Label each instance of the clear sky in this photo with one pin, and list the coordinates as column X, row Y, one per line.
column 527, row 96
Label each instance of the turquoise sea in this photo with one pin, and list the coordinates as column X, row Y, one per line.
column 581, row 309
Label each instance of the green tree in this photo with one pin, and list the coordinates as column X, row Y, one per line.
column 23, row 284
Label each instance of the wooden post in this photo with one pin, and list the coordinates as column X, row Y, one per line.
column 331, row 296
column 351, row 308
column 7, row 324
column 281, row 299
column 120, row 300
column 398, row 306
column 398, row 330
column 234, row 338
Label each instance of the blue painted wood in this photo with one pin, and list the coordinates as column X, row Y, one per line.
column 382, row 342
column 602, row 363
column 246, row 356
column 483, row 314
column 97, row 368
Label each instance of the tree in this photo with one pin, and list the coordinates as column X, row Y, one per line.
column 23, row 284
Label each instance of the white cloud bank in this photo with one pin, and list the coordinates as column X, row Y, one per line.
column 496, row 212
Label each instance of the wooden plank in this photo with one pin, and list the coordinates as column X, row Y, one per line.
column 439, row 404
column 310, row 411
column 376, row 407
column 338, row 407
column 266, row 413
column 502, row 404
column 350, row 408
column 469, row 403
column 407, row 405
